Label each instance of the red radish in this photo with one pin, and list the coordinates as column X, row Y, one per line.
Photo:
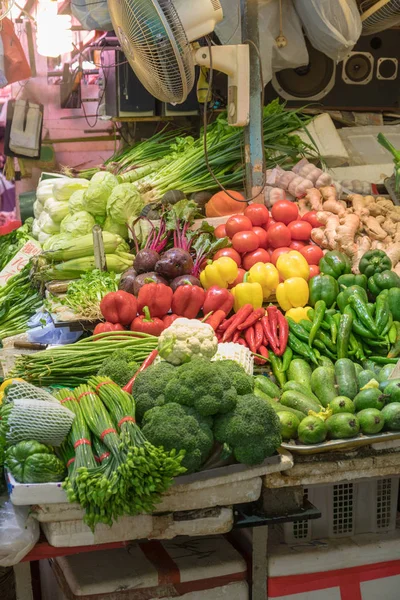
column 312, row 254
column 297, row 245
column 262, row 236
column 239, row 278
column 237, row 223
column 276, row 253
column 229, row 252
column 285, row 211
column 300, row 230
column 220, row 232
column 245, row 241
column 257, row 213
column 279, row 235
column 251, row 258
column 314, row 270
column 311, row 217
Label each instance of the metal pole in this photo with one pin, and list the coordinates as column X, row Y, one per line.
column 254, row 151
column 98, row 247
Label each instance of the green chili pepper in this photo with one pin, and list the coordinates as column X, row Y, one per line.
column 287, row 359
column 324, row 350
column 358, row 327
column 360, row 353
column 325, row 322
column 357, row 302
column 382, row 312
column 388, row 325
column 320, row 308
column 345, row 326
column 394, row 302
column 301, row 348
column 277, row 370
column 321, row 335
column 384, row 360
column 298, row 330
column 371, row 309
column 393, row 332
column 344, row 297
column 395, row 349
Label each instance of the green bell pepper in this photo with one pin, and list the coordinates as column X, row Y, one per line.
column 32, row 462
column 383, row 281
column 335, row 264
column 394, row 302
column 374, row 261
column 323, row 287
column 343, row 297
column 350, row 279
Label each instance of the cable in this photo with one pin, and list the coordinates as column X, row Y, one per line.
column 205, row 123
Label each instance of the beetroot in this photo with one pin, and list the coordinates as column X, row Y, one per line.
column 146, row 260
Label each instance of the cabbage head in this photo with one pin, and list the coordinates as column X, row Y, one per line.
column 44, row 192
column 96, row 197
column 79, row 223
column 64, row 188
column 57, row 210
column 47, row 225
column 117, row 228
column 56, row 242
column 105, row 178
column 77, row 201
column 37, row 209
column 124, row 203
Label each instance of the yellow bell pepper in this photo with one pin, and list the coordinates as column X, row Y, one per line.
column 292, row 293
column 1, row 398
column 247, row 293
column 221, row 272
column 293, row 264
column 266, row 274
column 298, row 314
column 8, row 382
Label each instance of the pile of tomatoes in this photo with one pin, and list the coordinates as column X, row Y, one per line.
column 258, row 236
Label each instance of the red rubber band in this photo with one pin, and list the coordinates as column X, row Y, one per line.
column 67, row 398
column 71, row 460
column 106, row 432
column 84, row 394
column 103, row 456
column 82, row 442
column 97, row 459
column 125, row 419
column 99, row 385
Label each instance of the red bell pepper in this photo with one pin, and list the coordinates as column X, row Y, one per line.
column 119, row 307
column 146, row 324
column 169, row 319
column 106, row 327
column 217, row 299
column 188, row 301
column 157, row 297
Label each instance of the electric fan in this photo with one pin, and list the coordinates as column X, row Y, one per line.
column 378, row 15
column 156, row 37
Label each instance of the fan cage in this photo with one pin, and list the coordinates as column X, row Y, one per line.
column 378, row 16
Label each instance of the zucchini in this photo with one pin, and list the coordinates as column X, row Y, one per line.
column 299, row 402
column 346, row 378
column 267, row 386
column 302, row 389
column 323, row 385
column 299, row 370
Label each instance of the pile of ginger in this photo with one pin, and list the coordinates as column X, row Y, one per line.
column 354, row 225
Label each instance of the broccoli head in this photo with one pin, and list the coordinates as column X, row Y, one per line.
column 203, row 385
column 176, row 427
column 252, row 429
column 243, row 383
column 119, row 366
column 149, row 387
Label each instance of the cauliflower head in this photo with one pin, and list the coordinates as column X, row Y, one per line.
column 186, row 339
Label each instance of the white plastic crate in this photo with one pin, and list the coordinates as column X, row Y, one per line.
column 348, row 508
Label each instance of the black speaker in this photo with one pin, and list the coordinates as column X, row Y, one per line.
column 367, row 79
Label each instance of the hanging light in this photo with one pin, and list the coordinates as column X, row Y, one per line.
column 54, row 35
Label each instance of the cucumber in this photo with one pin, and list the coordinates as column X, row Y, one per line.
column 299, row 402
column 365, row 377
column 300, row 415
column 324, row 361
column 299, row 387
column 358, row 368
column 385, row 372
column 300, row 371
column 277, row 406
column 346, row 378
column 267, row 386
column 323, row 385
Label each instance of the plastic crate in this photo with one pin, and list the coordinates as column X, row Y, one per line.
column 348, row 508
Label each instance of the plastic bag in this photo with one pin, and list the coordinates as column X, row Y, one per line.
column 19, row 532
column 92, row 14
column 16, row 65
column 332, row 27
column 43, row 331
column 273, row 59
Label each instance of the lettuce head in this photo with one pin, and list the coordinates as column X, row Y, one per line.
column 77, row 201
column 124, row 203
column 79, row 223
column 105, row 178
column 117, row 228
column 96, row 197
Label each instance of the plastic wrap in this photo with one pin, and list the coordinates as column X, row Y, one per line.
column 19, row 532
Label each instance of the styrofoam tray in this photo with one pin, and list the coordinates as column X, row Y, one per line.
column 22, row 494
column 336, row 445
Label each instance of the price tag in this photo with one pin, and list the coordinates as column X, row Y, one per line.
column 20, row 260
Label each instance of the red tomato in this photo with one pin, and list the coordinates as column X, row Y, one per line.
column 257, row 213
column 314, row 270
column 245, row 241
column 297, row 245
column 285, row 211
column 312, row 254
column 220, row 232
column 262, row 236
column 229, row 252
column 252, row 258
column 311, row 217
column 269, row 224
column 279, row 235
column 237, row 223
column 239, row 278
column 300, row 230
column 276, row 253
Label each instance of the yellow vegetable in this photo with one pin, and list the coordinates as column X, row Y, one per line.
column 293, row 264
column 292, row 293
column 298, row 314
column 8, row 382
column 266, row 275
column 247, row 293
column 221, row 272
column 1, row 398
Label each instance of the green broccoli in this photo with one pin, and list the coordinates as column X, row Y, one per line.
column 252, row 430
column 243, row 383
column 204, row 385
column 119, row 366
column 176, row 427
column 149, row 387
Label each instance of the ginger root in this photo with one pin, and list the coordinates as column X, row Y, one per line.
column 363, row 244
column 346, row 233
column 311, row 201
column 334, row 206
column 373, row 228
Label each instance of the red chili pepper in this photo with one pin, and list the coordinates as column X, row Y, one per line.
column 240, row 317
column 268, row 333
column 258, row 334
column 105, row 327
column 253, row 318
column 145, row 324
column 149, row 361
column 225, row 324
column 216, row 319
column 188, row 301
column 119, row 307
column 218, row 299
column 169, row 319
column 242, row 342
column 264, row 352
column 157, row 296
column 250, row 338
column 283, row 333
column 236, row 336
column 273, row 321
column 218, row 336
